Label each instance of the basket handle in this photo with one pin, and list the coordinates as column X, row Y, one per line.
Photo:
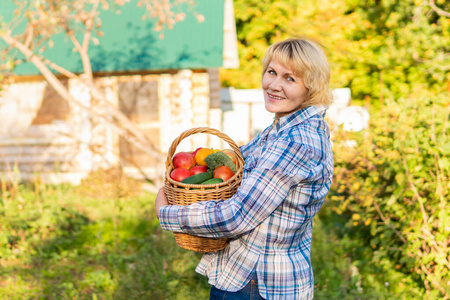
column 209, row 130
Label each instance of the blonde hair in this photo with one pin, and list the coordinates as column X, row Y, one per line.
column 308, row 61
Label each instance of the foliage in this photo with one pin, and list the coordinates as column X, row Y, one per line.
column 392, row 189
column 61, row 242
column 397, row 48
column 380, row 49
column 101, row 240
column 258, row 24
column 57, row 242
column 343, row 269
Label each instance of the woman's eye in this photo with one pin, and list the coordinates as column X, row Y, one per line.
column 272, row 72
column 291, row 79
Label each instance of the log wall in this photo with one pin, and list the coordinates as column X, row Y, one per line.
column 61, row 143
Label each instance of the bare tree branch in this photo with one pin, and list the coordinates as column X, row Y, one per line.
column 60, row 69
column 439, row 11
column 85, row 45
column 86, row 66
column 90, row 25
column 130, row 134
column 29, row 36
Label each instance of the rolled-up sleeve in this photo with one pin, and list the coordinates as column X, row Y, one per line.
column 168, row 218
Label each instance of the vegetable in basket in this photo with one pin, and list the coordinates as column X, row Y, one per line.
column 218, row 159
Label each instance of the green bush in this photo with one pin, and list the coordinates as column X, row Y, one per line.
column 391, row 191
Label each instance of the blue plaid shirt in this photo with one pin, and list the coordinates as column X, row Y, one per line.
column 287, row 174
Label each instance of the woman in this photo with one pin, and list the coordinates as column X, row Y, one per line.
column 287, row 174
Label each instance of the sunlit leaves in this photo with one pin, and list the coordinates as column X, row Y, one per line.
column 380, row 49
column 258, row 24
column 396, row 181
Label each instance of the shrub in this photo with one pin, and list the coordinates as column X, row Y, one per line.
column 392, row 188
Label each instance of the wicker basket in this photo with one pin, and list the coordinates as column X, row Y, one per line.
column 183, row 194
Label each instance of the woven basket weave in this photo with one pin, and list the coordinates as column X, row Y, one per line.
column 184, row 194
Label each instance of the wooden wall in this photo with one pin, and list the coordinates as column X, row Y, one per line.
column 62, row 143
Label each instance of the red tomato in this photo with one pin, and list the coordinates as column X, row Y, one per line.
column 198, row 169
column 223, row 172
column 179, row 174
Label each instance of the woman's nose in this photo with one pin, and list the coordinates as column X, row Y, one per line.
column 275, row 84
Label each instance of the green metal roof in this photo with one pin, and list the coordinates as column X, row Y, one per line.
column 130, row 43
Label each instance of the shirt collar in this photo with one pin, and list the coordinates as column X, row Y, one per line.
column 298, row 117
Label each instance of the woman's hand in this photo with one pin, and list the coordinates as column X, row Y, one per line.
column 160, row 201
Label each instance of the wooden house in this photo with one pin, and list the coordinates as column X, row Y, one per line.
column 164, row 86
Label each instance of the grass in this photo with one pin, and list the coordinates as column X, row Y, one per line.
column 61, row 242
column 101, row 240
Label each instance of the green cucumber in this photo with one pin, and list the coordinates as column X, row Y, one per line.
column 197, row 178
column 212, row 181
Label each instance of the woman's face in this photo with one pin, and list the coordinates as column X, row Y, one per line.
column 284, row 93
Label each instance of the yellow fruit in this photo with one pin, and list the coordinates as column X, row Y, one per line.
column 201, row 155
column 356, row 217
column 231, row 154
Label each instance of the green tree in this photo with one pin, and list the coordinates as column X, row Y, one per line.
column 258, row 24
column 327, row 23
column 379, row 48
column 399, row 48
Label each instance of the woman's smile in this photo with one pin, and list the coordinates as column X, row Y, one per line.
column 274, row 98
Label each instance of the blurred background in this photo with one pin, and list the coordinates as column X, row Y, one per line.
column 94, row 92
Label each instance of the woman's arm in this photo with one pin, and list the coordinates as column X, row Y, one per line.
column 283, row 166
column 160, row 201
